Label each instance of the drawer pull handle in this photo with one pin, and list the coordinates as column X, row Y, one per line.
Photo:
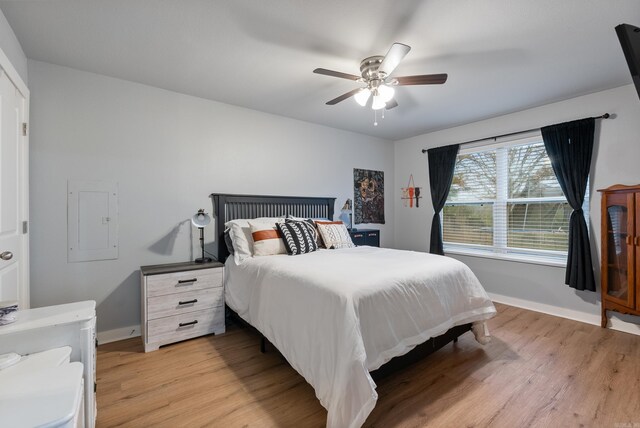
column 373, row 234
column 186, row 281
column 358, row 236
column 188, row 302
column 184, row 324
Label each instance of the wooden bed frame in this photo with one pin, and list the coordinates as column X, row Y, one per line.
column 231, row 207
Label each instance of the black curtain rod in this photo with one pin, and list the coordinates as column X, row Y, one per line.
column 604, row 116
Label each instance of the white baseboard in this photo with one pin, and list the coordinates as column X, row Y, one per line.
column 614, row 323
column 118, row 334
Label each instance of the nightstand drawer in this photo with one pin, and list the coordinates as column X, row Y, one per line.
column 373, row 238
column 178, row 282
column 370, row 237
column 185, row 326
column 358, row 238
column 179, row 303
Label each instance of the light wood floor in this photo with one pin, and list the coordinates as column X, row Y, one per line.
column 538, row 371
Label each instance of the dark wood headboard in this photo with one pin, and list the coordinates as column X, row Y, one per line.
column 231, row 207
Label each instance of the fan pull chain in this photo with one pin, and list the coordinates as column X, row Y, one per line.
column 375, row 117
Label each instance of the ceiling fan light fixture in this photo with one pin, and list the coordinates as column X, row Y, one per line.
column 362, row 97
column 377, row 83
column 386, row 93
column 378, row 102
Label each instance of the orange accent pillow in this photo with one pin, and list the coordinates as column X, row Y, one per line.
column 267, row 240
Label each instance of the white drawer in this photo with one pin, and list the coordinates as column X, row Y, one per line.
column 185, row 326
column 180, row 303
column 178, row 282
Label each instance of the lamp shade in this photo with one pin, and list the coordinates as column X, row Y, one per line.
column 201, row 219
column 378, row 102
column 362, row 97
column 386, row 92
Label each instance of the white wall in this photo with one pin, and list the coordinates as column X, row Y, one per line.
column 615, row 160
column 11, row 48
column 168, row 152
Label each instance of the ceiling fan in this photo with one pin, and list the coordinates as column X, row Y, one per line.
column 375, row 74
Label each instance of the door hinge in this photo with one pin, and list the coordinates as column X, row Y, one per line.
column 25, row 227
column 24, row 129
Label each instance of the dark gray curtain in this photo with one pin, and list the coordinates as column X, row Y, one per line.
column 442, row 162
column 569, row 146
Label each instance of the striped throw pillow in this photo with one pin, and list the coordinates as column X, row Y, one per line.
column 298, row 237
column 266, row 238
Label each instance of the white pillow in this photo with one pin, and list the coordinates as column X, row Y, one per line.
column 335, row 234
column 240, row 234
column 266, row 238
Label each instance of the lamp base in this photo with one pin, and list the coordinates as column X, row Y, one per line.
column 203, row 260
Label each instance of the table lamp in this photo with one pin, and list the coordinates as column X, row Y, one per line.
column 200, row 220
column 346, row 210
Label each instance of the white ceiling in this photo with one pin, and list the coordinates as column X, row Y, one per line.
column 501, row 55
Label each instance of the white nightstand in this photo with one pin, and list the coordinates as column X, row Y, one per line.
column 181, row 301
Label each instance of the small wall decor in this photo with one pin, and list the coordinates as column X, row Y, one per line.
column 411, row 193
column 368, row 196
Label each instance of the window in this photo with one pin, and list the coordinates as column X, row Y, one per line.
column 505, row 201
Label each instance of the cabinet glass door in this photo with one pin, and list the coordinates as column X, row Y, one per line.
column 620, row 281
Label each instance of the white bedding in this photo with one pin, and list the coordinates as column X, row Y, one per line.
column 335, row 315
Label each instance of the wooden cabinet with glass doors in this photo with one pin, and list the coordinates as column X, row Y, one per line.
column 620, row 250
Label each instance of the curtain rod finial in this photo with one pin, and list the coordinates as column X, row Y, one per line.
column 606, row 116
column 424, row 150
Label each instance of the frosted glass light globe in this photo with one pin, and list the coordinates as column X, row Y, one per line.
column 362, row 97
column 378, row 102
column 386, row 92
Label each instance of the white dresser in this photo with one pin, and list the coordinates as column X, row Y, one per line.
column 41, row 329
column 181, row 301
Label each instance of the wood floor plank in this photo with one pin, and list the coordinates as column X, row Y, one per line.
column 538, row 371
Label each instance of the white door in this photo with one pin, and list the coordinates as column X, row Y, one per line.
column 13, row 195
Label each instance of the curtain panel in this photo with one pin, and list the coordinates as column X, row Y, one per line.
column 442, row 163
column 570, row 146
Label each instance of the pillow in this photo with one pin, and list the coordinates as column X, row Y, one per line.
column 240, row 234
column 297, row 237
column 335, row 234
column 228, row 241
column 313, row 228
column 267, row 240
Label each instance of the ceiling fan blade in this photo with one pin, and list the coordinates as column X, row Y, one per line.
column 392, row 103
column 424, row 79
column 393, row 57
column 336, row 74
column 344, row 96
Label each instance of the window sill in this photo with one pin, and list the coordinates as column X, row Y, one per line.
column 519, row 258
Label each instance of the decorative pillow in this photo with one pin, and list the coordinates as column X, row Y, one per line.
column 228, row 241
column 240, row 234
column 297, row 237
column 312, row 228
column 335, row 234
column 267, row 240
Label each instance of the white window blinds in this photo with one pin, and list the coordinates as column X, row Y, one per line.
column 505, row 199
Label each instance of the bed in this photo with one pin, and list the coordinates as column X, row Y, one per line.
column 339, row 315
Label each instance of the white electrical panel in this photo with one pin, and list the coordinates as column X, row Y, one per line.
column 92, row 220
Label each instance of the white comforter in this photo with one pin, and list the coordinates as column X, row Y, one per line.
column 337, row 314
